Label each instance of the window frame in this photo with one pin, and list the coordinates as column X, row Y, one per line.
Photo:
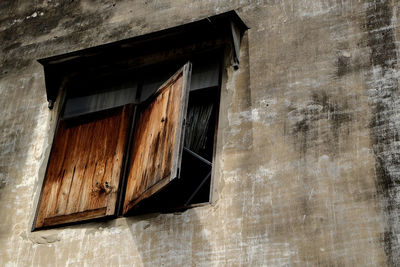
column 56, row 81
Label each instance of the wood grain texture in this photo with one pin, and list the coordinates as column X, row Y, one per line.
column 84, row 169
column 158, row 139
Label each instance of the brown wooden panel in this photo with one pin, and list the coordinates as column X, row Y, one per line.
column 158, row 139
column 73, row 217
column 84, row 169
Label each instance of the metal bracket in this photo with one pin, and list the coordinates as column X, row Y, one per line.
column 198, row 188
column 197, row 156
column 236, row 44
column 51, row 104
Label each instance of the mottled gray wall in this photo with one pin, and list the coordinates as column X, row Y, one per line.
column 308, row 155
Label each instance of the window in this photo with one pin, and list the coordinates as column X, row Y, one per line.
column 134, row 135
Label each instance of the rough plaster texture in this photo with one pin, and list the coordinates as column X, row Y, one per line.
column 308, row 156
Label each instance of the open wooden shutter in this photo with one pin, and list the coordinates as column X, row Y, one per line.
column 157, row 148
column 83, row 174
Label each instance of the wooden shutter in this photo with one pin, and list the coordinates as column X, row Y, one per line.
column 157, row 148
column 83, row 174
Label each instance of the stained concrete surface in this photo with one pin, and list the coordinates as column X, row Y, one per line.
column 307, row 163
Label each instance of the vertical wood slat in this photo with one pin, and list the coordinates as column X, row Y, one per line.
column 87, row 153
column 157, row 147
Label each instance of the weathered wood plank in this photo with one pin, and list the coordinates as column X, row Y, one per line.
column 54, row 175
column 83, row 154
column 62, row 219
column 84, row 168
column 69, row 172
column 157, row 145
column 118, row 161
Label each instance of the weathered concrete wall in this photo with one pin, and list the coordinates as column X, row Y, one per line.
column 308, row 158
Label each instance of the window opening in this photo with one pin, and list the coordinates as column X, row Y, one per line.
column 85, row 140
column 115, row 95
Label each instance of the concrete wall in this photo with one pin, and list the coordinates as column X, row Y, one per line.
column 307, row 170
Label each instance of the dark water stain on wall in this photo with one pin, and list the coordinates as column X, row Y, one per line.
column 20, row 30
column 385, row 102
column 320, row 127
column 380, row 34
column 319, row 123
column 343, row 65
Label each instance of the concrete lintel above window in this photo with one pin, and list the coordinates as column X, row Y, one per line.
column 140, row 51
